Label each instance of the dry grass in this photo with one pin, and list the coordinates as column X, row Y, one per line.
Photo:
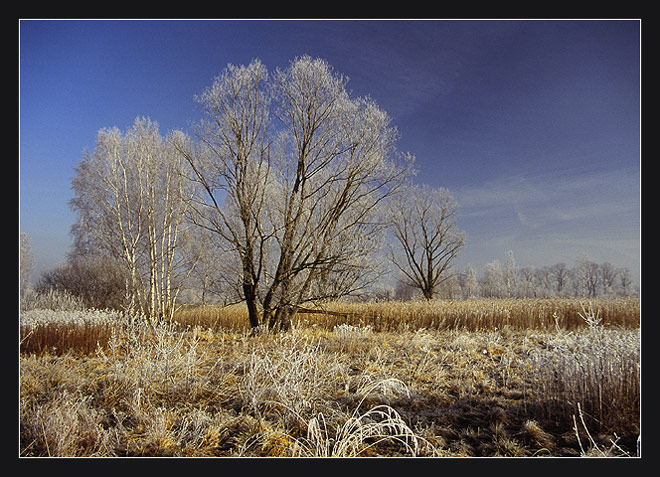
column 58, row 332
column 469, row 315
column 370, row 388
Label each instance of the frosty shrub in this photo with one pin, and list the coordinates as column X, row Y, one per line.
column 51, row 299
column 290, row 373
column 597, row 367
column 349, row 337
column 156, row 356
column 35, row 318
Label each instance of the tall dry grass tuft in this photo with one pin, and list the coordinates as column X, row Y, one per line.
column 146, row 358
column 66, row 425
column 286, row 369
column 360, row 434
column 232, row 318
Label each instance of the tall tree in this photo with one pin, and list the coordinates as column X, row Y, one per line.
column 424, row 226
column 608, row 276
column 589, row 276
column 290, row 173
column 470, row 282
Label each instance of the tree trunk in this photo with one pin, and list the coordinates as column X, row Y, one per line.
column 281, row 319
column 250, row 294
column 428, row 293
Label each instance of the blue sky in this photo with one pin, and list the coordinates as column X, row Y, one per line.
column 534, row 126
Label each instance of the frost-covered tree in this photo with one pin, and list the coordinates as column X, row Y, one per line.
column 290, row 173
column 492, row 281
column 587, row 273
column 560, row 275
column 131, row 198
column 608, row 274
column 625, row 282
column 510, row 274
column 471, row 286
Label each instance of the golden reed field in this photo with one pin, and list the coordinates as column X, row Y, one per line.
column 483, row 377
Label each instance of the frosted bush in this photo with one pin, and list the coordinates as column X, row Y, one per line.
column 290, row 373
column 34, row 318
column 346, row 329
column 51, row 300
column 597, row 367
column 146, row 355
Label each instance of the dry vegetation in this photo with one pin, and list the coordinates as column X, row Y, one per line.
column 551, row 377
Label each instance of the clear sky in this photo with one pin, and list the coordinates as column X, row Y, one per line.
column 534, row 126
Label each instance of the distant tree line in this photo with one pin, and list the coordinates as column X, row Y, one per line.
column 586, row 279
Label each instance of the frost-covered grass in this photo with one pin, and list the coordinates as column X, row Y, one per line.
column 320, row 390
column 34, row 318
column 59, row 331
column 597, row 368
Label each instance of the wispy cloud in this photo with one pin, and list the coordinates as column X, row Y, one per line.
column 555, row 215
column 555, row 196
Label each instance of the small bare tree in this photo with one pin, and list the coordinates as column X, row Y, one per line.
column 608, row 276
column 470, row 285
column 424, row 225
column 290, row 172
column 529, row 282
column 625, row 281
column 511, row 272
column 589, row 276
column 560, row 274
column 492, row 281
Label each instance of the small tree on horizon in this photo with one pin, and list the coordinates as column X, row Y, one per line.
column 427, row 239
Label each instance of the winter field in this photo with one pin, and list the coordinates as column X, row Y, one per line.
column 483, row 377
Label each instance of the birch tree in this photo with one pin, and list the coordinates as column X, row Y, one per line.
column 290, row 172
column 424, row 226
column 131, row 200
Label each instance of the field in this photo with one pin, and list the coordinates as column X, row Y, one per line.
column 518, row 378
